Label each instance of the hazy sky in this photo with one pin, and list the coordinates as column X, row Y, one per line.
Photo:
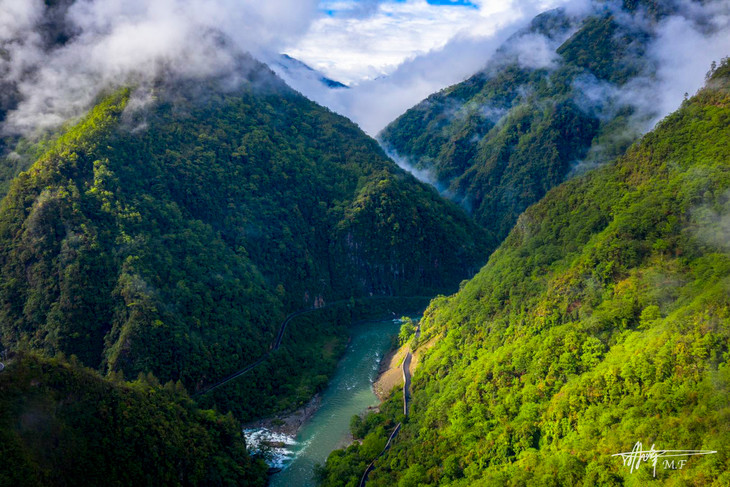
column 393, row 53
column 355, row 40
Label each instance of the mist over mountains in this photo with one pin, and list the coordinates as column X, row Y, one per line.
column 56, row 53
column 691, row 36
column 564, row 94
column 168, row 203
column 294, row 71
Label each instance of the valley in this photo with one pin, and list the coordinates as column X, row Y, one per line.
column 596, row 322
column 189, row 245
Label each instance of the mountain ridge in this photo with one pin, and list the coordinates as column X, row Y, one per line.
column 62, row 424
column 174, row 237
column 601, row 320
column 547, row 105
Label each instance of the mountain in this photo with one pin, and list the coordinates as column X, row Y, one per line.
column 173, row 228
column 294, row 71
column 601, row 321
column 552, row 98
column 61, row 424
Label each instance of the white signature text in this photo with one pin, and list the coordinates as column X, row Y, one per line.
column 633, row 459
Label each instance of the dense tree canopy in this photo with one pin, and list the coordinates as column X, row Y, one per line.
column 173, row 228
column 64, row 425
column 602, row 320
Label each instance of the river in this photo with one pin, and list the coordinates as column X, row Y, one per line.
column 349, row 392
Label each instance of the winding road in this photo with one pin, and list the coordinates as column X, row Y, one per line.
column 406, row 368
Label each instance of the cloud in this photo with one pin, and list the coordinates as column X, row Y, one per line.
column 407, row 50
column 17, row 16
column 403, row 51
column 683, row 47
column 350, row 8
column 392, row 53
column 118, row 41
column 374, row 103
column 354, row 48
column 423, row 175
column 711, row 223
column 686, row 45
column 534, row 51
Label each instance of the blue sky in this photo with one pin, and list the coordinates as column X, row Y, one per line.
column 358, row 40
column 334, row 7
column 461, row 3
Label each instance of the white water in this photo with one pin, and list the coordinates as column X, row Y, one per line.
column 349, row 392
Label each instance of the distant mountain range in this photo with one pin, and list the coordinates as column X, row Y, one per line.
column 290, row 68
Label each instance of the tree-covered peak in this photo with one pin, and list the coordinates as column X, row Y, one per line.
column 570, row 91
column 173, row 227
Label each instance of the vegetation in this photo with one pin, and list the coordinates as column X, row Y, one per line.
column 407, row 330
column 174, row 237
column 62, row 424
column 371, row 432
column 500, row 140
column 602, row 320
column 17, row 154
column 309, row 353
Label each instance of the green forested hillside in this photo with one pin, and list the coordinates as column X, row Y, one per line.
column 500, row 140
column 173, row 228
column 63, row 425
column 602, row 320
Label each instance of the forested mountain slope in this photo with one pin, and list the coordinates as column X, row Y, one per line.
column 173, row 228
column 500, row 140
column 601, row 321
column 63, row 425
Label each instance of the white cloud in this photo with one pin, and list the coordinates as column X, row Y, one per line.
column 405, row 51
column 686, row 46
column 393, row 53
column 17, row 15
column 356, row 48
column 421, row 47
column 121, row 40
column 374, row 103
column 402, row 52
column 534, row 51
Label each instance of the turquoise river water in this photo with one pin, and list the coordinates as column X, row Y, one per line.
column 349, row 392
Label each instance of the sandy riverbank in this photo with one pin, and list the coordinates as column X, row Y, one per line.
column 390, row 374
